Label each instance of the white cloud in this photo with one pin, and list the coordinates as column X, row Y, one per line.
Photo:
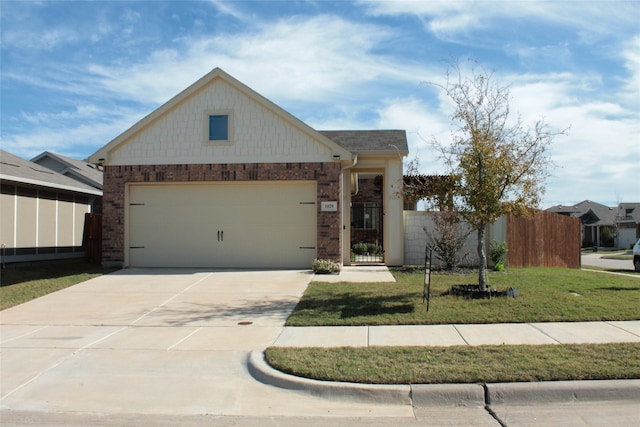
column 317, row 59
column 77, row 141
column 631, row 58
column 601, row 150
column 446, row 18
column 226, row 8
column 48, row 39
column 75, row 133
column 288, row 58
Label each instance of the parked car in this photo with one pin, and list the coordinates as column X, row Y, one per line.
column 636, row 256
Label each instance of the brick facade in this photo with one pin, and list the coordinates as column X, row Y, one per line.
column 326, row 175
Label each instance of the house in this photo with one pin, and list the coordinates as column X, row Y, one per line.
column 220, row 176
column 42, row 211
column 79, row 170
column 628, row 224
column 598, row 221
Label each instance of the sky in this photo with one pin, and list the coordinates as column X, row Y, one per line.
column 75, row 75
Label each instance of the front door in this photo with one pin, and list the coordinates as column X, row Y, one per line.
column 367, row 245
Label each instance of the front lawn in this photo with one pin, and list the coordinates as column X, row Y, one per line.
column 545, row 295
column 19, row 284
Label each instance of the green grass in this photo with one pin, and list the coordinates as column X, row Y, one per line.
column 545, row 295
column 24, row 283
column 460, row 364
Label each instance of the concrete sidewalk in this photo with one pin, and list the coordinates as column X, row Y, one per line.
column 448, row 335
column 358, row 274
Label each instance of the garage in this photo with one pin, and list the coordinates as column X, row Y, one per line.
column 269, row 224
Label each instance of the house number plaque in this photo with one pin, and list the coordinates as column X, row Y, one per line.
column 329, row 206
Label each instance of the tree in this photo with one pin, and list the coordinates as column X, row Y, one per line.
column 499, row 166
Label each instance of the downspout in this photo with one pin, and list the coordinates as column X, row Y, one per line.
column 344, row 168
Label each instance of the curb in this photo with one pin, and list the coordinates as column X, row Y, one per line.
column 469, row 395
column 563, row 392
column 417, row 395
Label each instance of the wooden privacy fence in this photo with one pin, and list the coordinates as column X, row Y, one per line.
column 92, row 241
column 544, row 239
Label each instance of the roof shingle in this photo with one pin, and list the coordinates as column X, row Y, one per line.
column 377, row 141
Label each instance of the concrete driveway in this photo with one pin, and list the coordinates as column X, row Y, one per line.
column 143, row 341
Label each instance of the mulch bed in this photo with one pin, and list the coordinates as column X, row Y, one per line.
column 474, row 292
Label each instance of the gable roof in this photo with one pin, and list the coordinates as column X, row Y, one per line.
column 102, row 155
column 589, row 212
column 370, row 141
column 79, row 170
column 18, row 170
column 629, row 212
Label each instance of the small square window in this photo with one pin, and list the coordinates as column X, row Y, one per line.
column 219, row 127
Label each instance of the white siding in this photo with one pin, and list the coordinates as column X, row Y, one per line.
column 259, row 135
column 415, row 238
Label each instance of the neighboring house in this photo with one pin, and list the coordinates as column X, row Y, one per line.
column 628, row 224
column 598, row 222
column 42, row 211
column 220, row 176
column 79, row 170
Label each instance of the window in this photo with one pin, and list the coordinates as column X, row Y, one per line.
column 365, row 216
column 219, row 127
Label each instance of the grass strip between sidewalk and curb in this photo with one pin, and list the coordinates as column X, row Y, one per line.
column 460, row 364
column 545, row 295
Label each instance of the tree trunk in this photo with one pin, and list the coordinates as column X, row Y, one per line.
column 482, row 256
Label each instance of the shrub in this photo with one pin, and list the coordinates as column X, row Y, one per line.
column 374, row 249
column 447, row 237
column 607, row 237
column 325, row 266
column 360, row 248
column 498, row 254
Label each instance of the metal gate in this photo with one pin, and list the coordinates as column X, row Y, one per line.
column 367, row 244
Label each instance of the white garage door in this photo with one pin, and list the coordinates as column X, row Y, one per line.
column 254, row 225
